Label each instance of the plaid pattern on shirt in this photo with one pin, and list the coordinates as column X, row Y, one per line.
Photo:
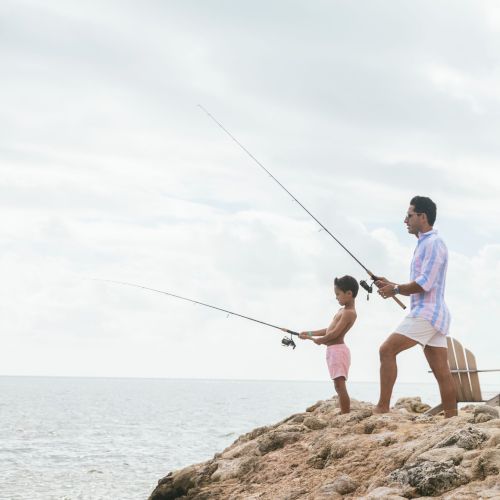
column 428, row 269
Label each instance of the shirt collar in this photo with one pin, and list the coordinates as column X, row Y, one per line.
column 421, row 236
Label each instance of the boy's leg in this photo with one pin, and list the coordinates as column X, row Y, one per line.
column 395, row 344
column 437, row 358
column 341, row 389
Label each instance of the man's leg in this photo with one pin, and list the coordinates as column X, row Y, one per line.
column 344, row 400
column 437, row 358
column 395, row 344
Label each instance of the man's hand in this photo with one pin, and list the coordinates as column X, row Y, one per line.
column 317, row 341
column 381, row 282
column 386, row 290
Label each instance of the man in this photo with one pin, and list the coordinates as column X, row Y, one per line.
column 429, row 319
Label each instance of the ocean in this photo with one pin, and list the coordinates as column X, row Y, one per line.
column 103, row 438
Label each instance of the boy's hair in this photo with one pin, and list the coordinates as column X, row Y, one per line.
column 424, row 205
column 347, row 284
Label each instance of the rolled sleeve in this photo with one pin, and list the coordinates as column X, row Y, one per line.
column 423, row 282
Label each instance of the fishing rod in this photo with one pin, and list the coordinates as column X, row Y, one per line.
column 364, row 284
column 287, row 342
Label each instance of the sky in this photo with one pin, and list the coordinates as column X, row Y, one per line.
column 110, row 170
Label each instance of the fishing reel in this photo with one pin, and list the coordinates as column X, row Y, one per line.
column 367, row 287
column 288, row 342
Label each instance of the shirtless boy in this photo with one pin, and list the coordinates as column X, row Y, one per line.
column 338, row 356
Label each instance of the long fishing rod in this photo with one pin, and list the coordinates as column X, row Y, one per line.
column 364, row 284
column 285, row 341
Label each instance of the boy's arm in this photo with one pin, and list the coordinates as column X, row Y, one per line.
column 342, row 326
column 311, row 334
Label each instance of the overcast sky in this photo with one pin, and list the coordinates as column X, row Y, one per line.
column 108, row 169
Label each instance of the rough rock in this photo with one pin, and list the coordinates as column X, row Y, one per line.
column 413, row 405
column 315, row 423
column 487, row 463
column 452, row 454
column 430, row 478
column 344, row 485
column 468, row 439
column 276, row 440
column 320, row 454
column 484, row 413
column 228, row 469
column 383, row 493
column 336, row 489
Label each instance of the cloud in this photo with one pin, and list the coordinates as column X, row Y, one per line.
column 108, row 169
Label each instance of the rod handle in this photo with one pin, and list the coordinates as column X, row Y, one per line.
column 398, row 302
column 291, row 332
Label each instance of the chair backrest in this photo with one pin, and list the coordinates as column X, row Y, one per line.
column 464, row 372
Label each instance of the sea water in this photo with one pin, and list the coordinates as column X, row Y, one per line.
column 103, row 438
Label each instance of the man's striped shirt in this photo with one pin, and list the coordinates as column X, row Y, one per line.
column 428, row 269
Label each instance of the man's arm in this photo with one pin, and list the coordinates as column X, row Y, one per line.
column 386, row 288
column 432, row 263
column 410, row 288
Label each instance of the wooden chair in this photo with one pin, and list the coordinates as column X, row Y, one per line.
column 465, row 376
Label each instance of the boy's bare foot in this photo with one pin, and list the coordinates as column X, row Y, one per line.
column 450, row 413
column 380, row 409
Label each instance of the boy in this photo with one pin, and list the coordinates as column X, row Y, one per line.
column 338, row 357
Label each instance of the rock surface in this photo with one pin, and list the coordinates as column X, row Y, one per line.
column 320, row 454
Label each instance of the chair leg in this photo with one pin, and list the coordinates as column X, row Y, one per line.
column 434, row 411
column 494, row 401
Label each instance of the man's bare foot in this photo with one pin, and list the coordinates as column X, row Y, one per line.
column 380, row 409
column 450, row 413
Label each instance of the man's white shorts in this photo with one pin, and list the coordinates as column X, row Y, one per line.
column 420, row 330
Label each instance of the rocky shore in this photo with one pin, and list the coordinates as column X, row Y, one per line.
column 320, row 454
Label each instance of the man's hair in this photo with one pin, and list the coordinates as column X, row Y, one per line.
column 424, row 205
column 347, row 284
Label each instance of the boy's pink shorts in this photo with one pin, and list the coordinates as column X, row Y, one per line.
column 338, row 359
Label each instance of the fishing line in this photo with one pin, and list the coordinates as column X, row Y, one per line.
column 285, row 341
column 365, row 285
